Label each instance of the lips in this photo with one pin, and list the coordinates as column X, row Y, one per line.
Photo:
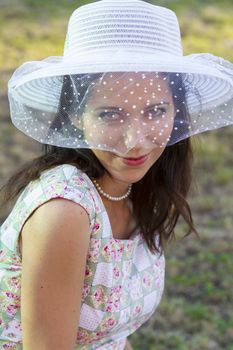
column 136, row 158
column 136, row 161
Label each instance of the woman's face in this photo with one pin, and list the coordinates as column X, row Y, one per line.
column 132, row 115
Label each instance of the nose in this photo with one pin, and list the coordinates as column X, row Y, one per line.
column 135, row 135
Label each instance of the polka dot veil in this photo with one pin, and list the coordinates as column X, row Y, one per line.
column 117, row 111
column 123, row 82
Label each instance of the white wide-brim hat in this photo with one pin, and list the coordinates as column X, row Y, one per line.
column 120, row 36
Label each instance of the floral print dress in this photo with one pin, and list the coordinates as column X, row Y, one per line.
column 123, row 283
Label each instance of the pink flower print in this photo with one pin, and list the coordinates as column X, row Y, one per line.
column 16, row 259
column 137, row 309
column 81, row 179
column 116, row 272
column 128, row 249
column 116, row 290
column 111, row 307
column 98, row 297
column 14, row 268
column 93, row 253
column 159, row 273
column 147, row 280
column 14, row 282
column 11, row 335
column 113, row 250
column 71, row 191
column 159, row 264
column 11, row 303
column 11, row 310
column 108, row 323
column 9, row 346
column 85, row 291
column 77, row 180
column 159, row 282
column 99, row 294
column 137, row 324
column 96, row 227
column 99, row 335
column 118, row 251
column 88, row 272
column 113, row 302
column 82, row 336
column 96, row 336
column 106, row 252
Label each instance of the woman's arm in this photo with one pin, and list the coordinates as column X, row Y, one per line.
column 55, row 242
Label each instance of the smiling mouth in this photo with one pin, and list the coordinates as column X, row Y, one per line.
column 136, row 158
column 135, row 161
column 132, row 158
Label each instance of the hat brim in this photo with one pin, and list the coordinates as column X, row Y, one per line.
column 38, row 84
column 35, row 89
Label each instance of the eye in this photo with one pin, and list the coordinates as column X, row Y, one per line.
column 109, row 116
column 156, row 112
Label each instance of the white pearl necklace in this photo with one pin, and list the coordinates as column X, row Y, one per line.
column 111, row 198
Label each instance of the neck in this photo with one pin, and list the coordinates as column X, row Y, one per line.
column 113, row 187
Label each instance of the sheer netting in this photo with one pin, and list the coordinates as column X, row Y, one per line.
column 123, row 81
column 118, row 111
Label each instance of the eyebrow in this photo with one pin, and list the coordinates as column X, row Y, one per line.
column 122, row 109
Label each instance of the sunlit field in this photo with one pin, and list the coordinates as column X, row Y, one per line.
column 196, row 312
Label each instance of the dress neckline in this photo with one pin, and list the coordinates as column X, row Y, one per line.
column 135, row 232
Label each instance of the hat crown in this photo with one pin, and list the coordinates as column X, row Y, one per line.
column 120, row 25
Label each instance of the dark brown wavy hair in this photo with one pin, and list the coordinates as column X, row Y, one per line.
column 159, row 198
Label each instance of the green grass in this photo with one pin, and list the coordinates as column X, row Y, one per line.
column 196, row 309
column 205, row 25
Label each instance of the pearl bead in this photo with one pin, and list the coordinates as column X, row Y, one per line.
column 111, row 198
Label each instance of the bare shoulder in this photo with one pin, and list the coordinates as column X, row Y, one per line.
column 57, row 219
column 57, row 211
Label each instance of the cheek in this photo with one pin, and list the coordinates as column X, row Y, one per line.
column 105, row 158
column 92, row 132
column 160, row 132
column 103, row 133
column 156, row 153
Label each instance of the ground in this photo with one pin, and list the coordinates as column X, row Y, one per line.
column 196, row 311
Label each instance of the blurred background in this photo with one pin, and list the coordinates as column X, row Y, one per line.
column 196, row 312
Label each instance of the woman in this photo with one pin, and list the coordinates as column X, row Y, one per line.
column 83, row 248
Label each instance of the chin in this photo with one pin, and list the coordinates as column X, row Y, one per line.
column 127, row 172
column 132, row 176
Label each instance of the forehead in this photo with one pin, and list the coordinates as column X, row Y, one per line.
column 129, row 87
